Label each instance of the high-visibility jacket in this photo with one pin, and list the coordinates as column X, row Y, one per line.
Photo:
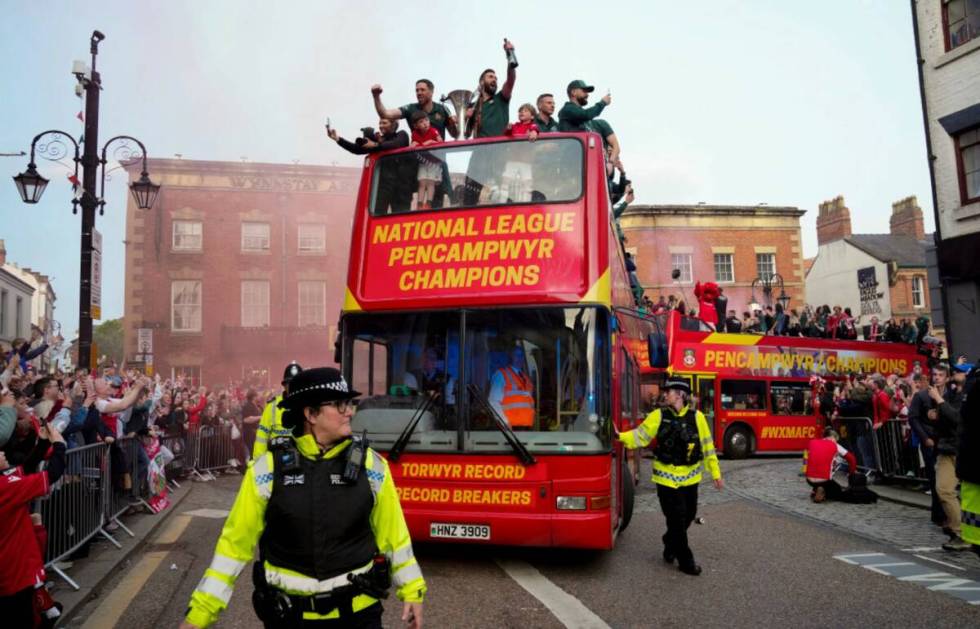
column 270, row 427
column 518, row 400
column 246, row 522
column 675, row 475
column 970, row 512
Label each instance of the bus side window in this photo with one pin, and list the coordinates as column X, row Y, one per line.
column 741, row 395
column 706, row 396
column 791, row 398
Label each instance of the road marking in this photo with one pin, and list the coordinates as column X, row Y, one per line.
column 922, row 549
column 107, row 614
column 850, row 557
column 877, row 567
column 911, row 572
column 570, row 611
column 941, row 562
column 217, row 514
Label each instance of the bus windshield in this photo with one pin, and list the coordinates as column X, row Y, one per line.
column 451, row 368
column 508, row 172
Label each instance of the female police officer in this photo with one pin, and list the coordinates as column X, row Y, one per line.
column 323, row 509
column 684, row 446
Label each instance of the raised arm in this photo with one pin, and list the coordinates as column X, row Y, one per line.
column 117, row 406
column 576, row 114
column 508, row 87
column 392, row 114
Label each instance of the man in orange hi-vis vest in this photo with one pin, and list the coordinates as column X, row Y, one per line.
column 512, row 392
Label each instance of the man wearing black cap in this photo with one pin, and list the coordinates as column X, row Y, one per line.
column 574, row 115
column 684, row 446
column 270, row 426
column 324, row 511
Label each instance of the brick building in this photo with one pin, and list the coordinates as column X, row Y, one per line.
column 947, row 46
column 882, row 275
column 728, row 244
column 238, row 268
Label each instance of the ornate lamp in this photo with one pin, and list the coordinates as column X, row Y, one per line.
column 144, row 191
column 30, row 184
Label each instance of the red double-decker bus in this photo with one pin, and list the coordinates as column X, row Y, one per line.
column 757, row 391
column 520, row 253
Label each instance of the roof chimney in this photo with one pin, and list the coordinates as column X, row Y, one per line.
column 833, row 221
column 907, row 218
column 3, row 253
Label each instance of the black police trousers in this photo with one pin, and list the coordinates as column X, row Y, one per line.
column 680, row 507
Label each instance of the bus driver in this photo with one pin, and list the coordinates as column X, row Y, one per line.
column 512, row 392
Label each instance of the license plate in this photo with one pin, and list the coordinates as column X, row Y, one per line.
column 459, row 531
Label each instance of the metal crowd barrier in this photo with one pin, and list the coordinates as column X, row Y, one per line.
column 103, row 481
column 128, row 467
column 214, row 450
column 74, row 511
column 898, row 459
column 175, row 469
column 858, row 435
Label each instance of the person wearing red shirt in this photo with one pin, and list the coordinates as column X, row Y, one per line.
column 818, row 465
column 525, row 125
column 880, row 401
column 194, row 412
column 21, row 559
column 430, row 167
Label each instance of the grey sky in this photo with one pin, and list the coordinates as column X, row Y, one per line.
column 787, row 103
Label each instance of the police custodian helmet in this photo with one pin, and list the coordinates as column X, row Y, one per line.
column 679, row 384
column 313, row 387
column 292, row 370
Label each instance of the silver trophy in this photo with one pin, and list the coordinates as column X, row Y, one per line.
column 461, row 101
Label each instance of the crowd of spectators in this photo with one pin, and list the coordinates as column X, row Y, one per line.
column 43, row 415
column 918, row 413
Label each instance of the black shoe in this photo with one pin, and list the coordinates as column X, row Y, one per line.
column 692, row 569
column 669, row 556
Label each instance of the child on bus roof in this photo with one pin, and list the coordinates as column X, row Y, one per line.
column 430, row 166
column 525, row 123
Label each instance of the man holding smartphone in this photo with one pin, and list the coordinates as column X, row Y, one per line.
column 574, row 115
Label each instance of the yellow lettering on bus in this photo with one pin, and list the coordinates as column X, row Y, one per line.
column 567, row 221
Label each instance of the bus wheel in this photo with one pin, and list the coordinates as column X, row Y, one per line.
column 628, row 495
column 737, row 443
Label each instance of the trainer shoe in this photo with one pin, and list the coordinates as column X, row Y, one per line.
column 956, row 544
column 669, row 556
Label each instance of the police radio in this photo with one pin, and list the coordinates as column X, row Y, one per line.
column 355, row 457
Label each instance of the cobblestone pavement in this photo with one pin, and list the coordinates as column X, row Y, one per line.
column 778, row 484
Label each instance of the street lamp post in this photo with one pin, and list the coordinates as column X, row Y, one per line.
column 767, row 283
column 31, row 185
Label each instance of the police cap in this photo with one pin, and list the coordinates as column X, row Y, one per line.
column 292, row 370
column 315, row 386
column 678, row 384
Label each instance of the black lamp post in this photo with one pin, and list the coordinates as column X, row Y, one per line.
column 31, row 185
column 767, row 283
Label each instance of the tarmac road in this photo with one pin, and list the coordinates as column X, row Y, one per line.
column 762, row 566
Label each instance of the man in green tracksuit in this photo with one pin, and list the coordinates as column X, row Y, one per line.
column 574, row 115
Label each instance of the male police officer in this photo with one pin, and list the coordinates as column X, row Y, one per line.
column 684, row 445
column 325, row 513
column 270, row 426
